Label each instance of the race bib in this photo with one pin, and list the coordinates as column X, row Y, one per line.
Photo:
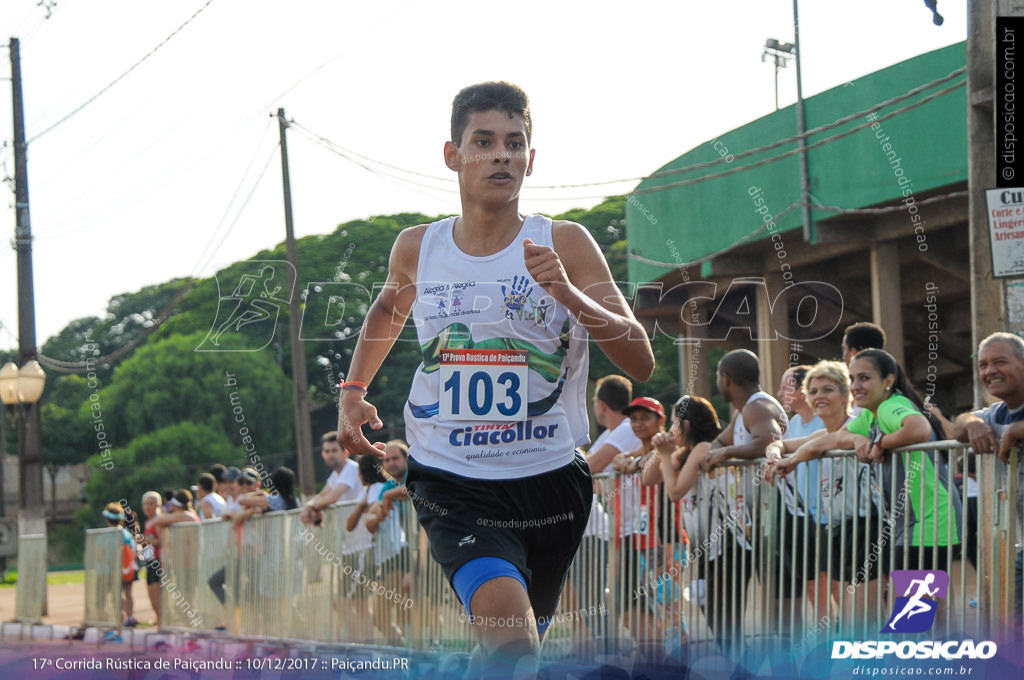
column 483, row 384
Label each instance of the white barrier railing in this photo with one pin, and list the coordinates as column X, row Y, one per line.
column 31, row 578
column 103, row 551
column 736, row 571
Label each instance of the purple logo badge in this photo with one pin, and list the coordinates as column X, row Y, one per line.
column 914, row 611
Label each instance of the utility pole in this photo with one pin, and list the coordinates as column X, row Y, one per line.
column 30, row 468
column 303, row 428
column 801, row 128
column 987, row 293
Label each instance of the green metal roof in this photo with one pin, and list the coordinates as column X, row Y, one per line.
column 686, row 223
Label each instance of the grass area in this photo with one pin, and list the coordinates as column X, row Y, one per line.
column 53, row 578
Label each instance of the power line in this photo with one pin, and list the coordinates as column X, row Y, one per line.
column 81, row 366
column 814, row 145
column 227, row 208
column 788, row 208
column 118, row 79
column 309, row 75
column 825, row 128
column 394, row 179
column 241, row 208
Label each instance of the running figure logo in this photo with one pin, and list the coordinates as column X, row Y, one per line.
column 914, row 612
column 255, row 302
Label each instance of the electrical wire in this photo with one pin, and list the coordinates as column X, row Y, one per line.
column 791, row 206
column 118, row 79
column 241, row 209
column 798, row 150
column 241, row 181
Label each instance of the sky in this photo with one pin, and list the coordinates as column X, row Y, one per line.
column 173, row 169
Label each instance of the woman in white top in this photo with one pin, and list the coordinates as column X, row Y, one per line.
column 847, row 505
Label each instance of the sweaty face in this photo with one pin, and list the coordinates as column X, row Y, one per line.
column 1001, row 372
column 867, row 386
column 494, row 156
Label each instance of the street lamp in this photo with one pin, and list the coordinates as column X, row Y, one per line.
column 780, row 53
column 23, row 388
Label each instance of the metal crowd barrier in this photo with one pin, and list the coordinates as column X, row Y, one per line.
column 31, row 578
column 103, row 577
column 731, row 570
column 762, row 580
column 190, row 553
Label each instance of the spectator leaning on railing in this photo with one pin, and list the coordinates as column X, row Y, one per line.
column 893, row 416
column 759, row 420
column 151, row 549
column 342, row 485
column 181, row 510
column 1000, row 427
column 838, row 500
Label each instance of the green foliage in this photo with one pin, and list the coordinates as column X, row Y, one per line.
column 128, row 316
column 168, row 382
column 66, row 437
column 170, row 457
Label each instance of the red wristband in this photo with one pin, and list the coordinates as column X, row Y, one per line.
column 354, row 385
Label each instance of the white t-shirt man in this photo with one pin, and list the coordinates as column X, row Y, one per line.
column 349, row 475
column 623, row 440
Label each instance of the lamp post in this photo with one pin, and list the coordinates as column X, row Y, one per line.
column 780, row 53
column 22, row 389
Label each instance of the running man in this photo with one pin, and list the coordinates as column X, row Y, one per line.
column 498, row 404
column 914, row 604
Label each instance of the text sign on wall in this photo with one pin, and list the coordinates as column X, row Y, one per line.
column 1006, row 230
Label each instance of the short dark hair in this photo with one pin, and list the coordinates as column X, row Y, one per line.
column 799, row 375
column 500, row 95
column 184, row 496
column 742, row 366
column 217, row 470
column 864, row 335
column 615, row 391
column 283, row 480
column 704, row 423
column 369, row 469
column 207, row 482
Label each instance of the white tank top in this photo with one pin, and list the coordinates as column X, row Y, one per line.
column 217, row 504
column 500, row 393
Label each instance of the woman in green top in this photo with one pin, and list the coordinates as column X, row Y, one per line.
column 922, row 513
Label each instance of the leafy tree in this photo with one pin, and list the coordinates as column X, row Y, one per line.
column 66, row 437
column 167, row 382
column 169, row 457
